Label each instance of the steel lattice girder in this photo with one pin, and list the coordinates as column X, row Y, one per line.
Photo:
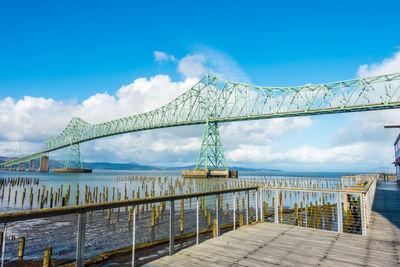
column 219, row 100
column 73, row 157
column 211, row 155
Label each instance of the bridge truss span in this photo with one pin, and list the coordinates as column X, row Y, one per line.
column 215, row 100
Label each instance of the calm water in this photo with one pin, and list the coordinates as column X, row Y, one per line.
column 105, row 234
column 113, row 179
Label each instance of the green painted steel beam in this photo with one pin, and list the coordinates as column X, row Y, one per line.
column 211, row 155
column 218, row 100
column 23, row 159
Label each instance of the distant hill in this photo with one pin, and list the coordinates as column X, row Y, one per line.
column 119, row 166
column 54, row 164
column 229, row 167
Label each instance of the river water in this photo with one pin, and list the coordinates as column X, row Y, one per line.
column 102, row 233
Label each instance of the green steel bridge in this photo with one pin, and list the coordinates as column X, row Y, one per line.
column 213, row 100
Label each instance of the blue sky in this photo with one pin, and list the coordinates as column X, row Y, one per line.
column 70, row 51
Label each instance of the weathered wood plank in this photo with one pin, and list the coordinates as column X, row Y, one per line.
column 268, row 244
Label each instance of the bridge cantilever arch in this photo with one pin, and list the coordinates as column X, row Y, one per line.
column 213, row 100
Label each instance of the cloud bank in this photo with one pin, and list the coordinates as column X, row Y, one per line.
column 360, row 142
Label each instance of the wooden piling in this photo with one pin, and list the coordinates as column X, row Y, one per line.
column 23, row 196
column 21, row 248
column 47, row 257
column 152, row 215
column 301, row 214
column 214, row 227
column 182, row 213
column 31, row 197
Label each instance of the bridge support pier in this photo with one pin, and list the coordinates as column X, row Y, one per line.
column 21, row 167
column 211, row 155
column 31, row 165
column 211, row 161
column 73, row 163
column 44, row 164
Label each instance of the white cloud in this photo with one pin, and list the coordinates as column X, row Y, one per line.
column 387, row 66
column 368, row 126
column 362, row 143
column 147, row 94
column 260, row 132
column 19, row 148
column 205, row 60
column 32, row 118
column 37, row 118
column 162, row 56
column 193, row 66
column 222, row 64
column 40, row 119
column 362, row 155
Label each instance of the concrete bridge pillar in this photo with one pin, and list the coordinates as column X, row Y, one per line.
column 32, row 165
column 21, row 167
column 44, row 164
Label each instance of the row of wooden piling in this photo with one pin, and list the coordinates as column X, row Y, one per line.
column 172, row 186
column 18, row 181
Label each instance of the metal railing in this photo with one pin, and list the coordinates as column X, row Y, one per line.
column 168, row 201
column 343, row 210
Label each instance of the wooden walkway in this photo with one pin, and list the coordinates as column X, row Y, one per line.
column 265, row 244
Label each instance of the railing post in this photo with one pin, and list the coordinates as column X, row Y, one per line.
column 367, row 213
column 257, row 206
column 247, row 207
column 234, row 211
column 363, row 224
column 171, row 226
column 276, row 215
column 305, row 216
column 217, row 213
column 80, row 245
column 3, row 245
column 339, row 212
column 133, row 234
column 197, row 220
column 262, row 205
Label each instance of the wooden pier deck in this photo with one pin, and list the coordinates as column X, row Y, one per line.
column 265, row 244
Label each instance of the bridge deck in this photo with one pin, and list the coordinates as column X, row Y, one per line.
column 271, row 244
